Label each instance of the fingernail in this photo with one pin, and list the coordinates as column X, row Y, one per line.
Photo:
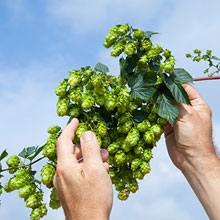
column 87, row 136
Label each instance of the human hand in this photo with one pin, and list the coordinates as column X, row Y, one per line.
column 190, row 140
column 84, row 188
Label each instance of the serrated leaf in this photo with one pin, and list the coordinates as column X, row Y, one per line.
column 139, row 116
column 100, row 67
column 138, row 87
column 123, row 69
column 154, row 66
column 150, row 78
column 180, row 76
column 215, row 58
column 176, row 90
column 131, row 63
column 166, row 108
column 148, row 34
column 37, row 151
column 26, row 152
column 3, row 154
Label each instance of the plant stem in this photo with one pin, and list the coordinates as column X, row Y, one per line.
column 206, row 78
column 23, row 165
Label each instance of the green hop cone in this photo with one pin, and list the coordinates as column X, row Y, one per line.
column 43, row 210
column 125, row 128
column 74, row 110
column 35, row 214
column 161, row 121
column 188, row 55
column 61, row 88
column 117, row 49
column 145, row 167
column 157, row 130
column 81, row 129
column 52, row 139
column 167, row 54
column 8, row 187
column 132, row 138
column 133, row 185
column 54, row 129
column 54, row 201
column 147, row 155
column 27, row 190
column 50, row 151
column 143, row 61
column 47, row 175
column 123, row 29
column 76, row 95
column 19, row 182
column 120, row 157
column 34, row 200
column 149, row 137
column 99, row 99
column 135, row 164
column 119, row 185
column 154, row 52
column 152, row 117
column 113, row 147
column 87, row 101
column 146, row 45
column 111, row 37
column 112, row 172
column 130, row 157
column 62, row 106
column 169, row 65
column 74, row 78
column 124, row 194
column 101, row 129
column 124, row 118
column 139, row 35
column 138, row 149
column 138, row 174
column 13, row 162
column 130, row 49
column 143, row 126
column 110, row 102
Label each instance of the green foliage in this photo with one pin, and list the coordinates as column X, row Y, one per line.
column 213, row 66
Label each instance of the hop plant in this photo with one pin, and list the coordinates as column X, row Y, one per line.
column 127, row 114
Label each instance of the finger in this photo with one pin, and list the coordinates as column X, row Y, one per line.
column 168, row 130
column 65, row 147
column 104, row 154
column 90, row 149
column 194, row 96
column 106, row 165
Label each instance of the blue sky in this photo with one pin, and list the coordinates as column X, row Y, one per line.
column 41, row 41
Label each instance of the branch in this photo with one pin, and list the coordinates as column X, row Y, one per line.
column 206, row 78
column 23, row 165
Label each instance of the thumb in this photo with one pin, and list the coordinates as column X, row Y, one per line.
column 194, row 96
column 90, row 149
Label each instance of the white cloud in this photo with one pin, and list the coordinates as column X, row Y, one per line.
column 85, row 16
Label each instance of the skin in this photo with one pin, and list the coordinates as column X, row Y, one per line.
column 190, row 146
column 84, row 188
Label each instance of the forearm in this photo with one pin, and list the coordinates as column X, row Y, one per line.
column 203, row 174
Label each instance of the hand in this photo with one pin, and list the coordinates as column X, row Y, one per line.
column 84, row 188
column 191, row 149
column 190, row 140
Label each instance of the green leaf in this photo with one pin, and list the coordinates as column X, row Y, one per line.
column 138, row 87
column 3, row 154
column 70, row 119
column 101, row 68
column 150, row 78
column 215, row 58
column 32, row 172
column 37, row 151
column 180, row 76
column 129, row 38
column 148, row 34
column 26, row 152
column 154, row 66
column 131, row 63
column 166, row 108
column 123, row 69
column 176, row 90
column 139, row 116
